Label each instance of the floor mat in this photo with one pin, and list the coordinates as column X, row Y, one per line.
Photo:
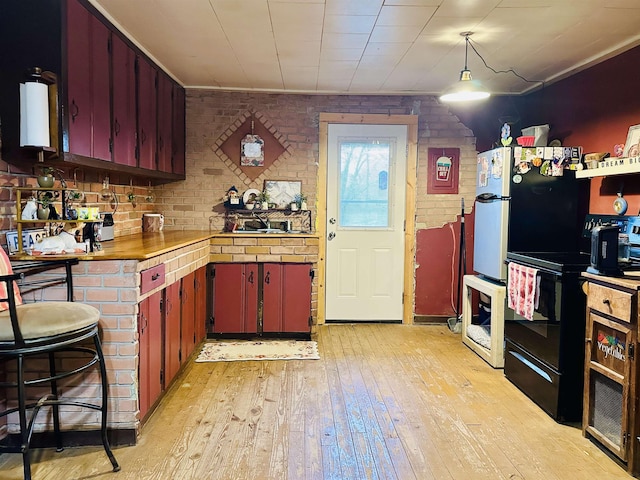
column 231, row 351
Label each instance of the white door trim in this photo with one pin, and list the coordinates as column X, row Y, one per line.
column 411, row 121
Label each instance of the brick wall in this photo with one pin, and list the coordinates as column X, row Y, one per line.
column 196, row 203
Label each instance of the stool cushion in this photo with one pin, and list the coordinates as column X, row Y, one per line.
column 45, row 319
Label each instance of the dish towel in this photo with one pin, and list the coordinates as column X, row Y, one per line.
column 523, row 289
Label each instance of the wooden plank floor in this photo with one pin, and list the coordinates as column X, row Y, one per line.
column 384, row 402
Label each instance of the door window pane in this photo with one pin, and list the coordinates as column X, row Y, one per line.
column 364, row 184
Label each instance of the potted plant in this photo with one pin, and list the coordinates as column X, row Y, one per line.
column 300, row 202
column 46, row 179
column 263, row 199
column 44, row 204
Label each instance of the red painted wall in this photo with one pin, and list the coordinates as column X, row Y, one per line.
column 437, row 267
column 593, row 109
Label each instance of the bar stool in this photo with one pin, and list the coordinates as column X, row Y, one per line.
column 46, row 328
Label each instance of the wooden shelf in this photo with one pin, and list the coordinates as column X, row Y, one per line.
column 612, row 166
column 19, row 207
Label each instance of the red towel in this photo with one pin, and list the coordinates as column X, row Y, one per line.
column 523, row 289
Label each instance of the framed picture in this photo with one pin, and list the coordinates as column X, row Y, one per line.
column 282, row 192
column 632, row 145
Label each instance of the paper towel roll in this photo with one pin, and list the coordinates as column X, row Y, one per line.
column 34, row 115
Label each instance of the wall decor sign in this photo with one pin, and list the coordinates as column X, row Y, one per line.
column 282, row 192
column 252, row 149
column 442, row 169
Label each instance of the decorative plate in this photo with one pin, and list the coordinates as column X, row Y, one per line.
column 250, row 196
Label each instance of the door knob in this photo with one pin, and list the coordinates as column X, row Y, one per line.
column 332, row 235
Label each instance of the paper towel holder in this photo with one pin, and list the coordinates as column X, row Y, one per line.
column 50, row 79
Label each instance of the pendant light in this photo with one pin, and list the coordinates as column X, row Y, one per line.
column 466, row 89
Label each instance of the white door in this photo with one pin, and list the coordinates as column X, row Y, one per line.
column 366, row 178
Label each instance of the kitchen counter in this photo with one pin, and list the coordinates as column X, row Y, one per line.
column 135, row 247
column 148, row 245
column 630, row 280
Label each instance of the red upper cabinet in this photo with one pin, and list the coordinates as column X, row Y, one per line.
column 165, row 118
column 108, row 95
column 124, row 102
column 178, row 127
column 147, row 114
column 88, row 97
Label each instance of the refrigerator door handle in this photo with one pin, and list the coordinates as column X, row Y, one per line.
column 490, row 197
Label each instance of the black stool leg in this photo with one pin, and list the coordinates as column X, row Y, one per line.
column 55, row 406
column 105, row 401
column 22, row 412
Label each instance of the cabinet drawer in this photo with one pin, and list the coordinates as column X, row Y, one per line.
column 610, row 301
column 151, row 278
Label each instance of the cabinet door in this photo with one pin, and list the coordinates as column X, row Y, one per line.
column 201, row 304
column 171, row 332
column 147, row 114
column 235, row 298
column 608, row 365
column 88, row 99
column 187, row 309
column 286, row 297
column 78, row 79
column 165, row 103
column 178, row 130
column 100, row 91
column 150, row 352
column 124, row 102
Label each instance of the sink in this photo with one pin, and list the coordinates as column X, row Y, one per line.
column 261, row 230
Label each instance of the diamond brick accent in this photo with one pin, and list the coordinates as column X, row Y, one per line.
column 227, row 146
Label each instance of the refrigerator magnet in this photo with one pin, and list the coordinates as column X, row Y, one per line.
column 496, row 167
column 523, row 167
column 517, row 178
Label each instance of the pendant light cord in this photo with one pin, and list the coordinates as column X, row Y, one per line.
column 511, row 70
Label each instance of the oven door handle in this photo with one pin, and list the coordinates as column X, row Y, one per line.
column 543, row 270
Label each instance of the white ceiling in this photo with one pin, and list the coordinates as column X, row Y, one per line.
column 373, row 46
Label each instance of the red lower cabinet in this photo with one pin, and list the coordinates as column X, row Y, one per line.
column 187, row 311
column 171, row 332
column 261, row 298
column 235, row 302
column 171, row 322
column 200, row 293
column 286, row 291
column 150, row 342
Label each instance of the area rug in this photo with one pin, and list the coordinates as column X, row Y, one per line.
column 225, row 351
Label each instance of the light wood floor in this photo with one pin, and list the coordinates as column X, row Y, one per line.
column 384, row 402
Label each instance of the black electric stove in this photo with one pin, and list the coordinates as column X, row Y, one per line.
column 544, row 357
